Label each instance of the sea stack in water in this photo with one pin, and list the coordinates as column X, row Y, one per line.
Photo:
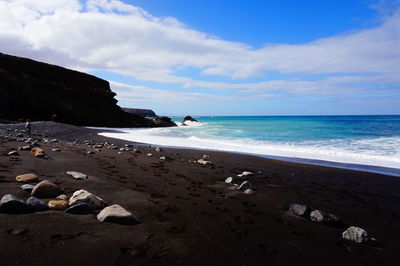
column 188, row 120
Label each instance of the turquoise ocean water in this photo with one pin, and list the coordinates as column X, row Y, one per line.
column 370, row 143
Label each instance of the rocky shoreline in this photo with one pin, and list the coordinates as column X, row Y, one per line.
column 69, row 193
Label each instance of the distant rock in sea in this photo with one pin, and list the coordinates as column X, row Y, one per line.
column 140, row 112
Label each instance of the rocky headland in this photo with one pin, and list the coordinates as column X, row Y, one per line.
column 40, row 91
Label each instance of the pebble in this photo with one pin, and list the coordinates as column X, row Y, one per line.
column 77, row 175
column 163, row 158
column 37, row 204
column 203, row 162
column 83, row 196
column 62, row 197
column 27, row 187
column 321, row 217
column 300, row 210
column 58, row 204
column 56, row 149
column 206, row 157
column 13, row 153
column 25, row 148
column 158, row 149
column 248, row 191
column 38, row 152
column 149, row 154
column 245, row 173
column 27, row 178
column 90, row 152
column 116, row 214
column 46, row 189
column 229, row 180
column 356, row 234
column 245, row 185
column 12, row 204
column 17, row 231
column 80, row 208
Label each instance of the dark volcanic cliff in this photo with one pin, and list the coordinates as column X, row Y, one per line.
column 35, row 90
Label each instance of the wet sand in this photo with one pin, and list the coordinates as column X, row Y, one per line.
column 188, row 215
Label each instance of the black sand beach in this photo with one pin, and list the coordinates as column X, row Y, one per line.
column 188, row 215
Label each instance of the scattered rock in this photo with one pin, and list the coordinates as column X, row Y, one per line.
column 56, row 149
column 27, row 178
column 248, row 191
column 158, row 149
column 38, row 152
column 17, row 231
column 90, row 152
column 163, row 158
column 27, row 187
column 245, row 173
column 149, row 154
column 300, row 210
column 25, row 148
column 245, row 185
column 116, row 214
column 356, row 234
column 83, row 196
column 321, row 217
column 58, row 204
column 46, row 189
column 206, row 157
column 80, row 208
column 62, row 197
column 37, row 204
column 77, row 175
column 13, row 153
column 11, row 204
column 204, row 162
column 229, row 180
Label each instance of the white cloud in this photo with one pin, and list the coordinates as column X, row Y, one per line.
column 111, row 35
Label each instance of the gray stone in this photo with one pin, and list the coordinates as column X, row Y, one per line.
column 25, row 148
column 77, row 175
column 11, row 204
column 245, row 173
column 249, row 191
column 245, row 185
column 80, row 208
column 116, row 214
column 27, row 187
column 83, row 196
column 37, row 204
column 204, row 162
column 46, row 189
column 229, row 180
column 300, row 210
column 321, row 217
column 356, row 234
column 13, row 153
column 158, row 149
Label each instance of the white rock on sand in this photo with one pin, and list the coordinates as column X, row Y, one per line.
column 115, row 213
column 84, row 196
column 77, row 175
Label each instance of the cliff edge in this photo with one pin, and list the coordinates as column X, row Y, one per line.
column 35, row 90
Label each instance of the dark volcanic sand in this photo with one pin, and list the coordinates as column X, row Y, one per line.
column 188, row 215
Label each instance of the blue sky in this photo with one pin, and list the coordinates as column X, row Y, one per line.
column 221, row 57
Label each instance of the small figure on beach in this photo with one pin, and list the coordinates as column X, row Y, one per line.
column 54, row 117
column 28, row 127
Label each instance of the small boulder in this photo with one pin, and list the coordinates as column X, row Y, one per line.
column 46, row 189
column 13, row 153
column 80, row 208
column 356, row 234
column 83, row 196
column 11, row 204
column 58, row 204
column 300, row 210
column 77, row 175
column 245, row 173
column 27, row 178
column 27, row 187
column 37, row 204
column 116, row 214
